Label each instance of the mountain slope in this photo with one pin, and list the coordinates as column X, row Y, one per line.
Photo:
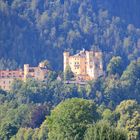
column 35, row 30
column 129, row 10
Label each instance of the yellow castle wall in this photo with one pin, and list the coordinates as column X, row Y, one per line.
column 87, row 65
column 37, row 73
column 74, row 63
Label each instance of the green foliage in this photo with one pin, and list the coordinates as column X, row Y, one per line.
column 12, row 117
column 129, row 118
column 102, row 130
column 51, row 76
column 68, row 74
column 24, row 134
column 47, row 64
column 132, row 73
column 27, row 104
column 7, row 64
column 32, row 31
column 43, row 131
column 70, row 119
column 107, row 114
column 130, row 80
column 115, row 66
column 32, row 134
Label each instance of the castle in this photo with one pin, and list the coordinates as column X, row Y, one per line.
column 8, row 76
column 86, row 65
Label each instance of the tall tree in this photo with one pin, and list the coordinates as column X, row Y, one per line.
column 115, row 66
column 104, row 131
column 70, row 119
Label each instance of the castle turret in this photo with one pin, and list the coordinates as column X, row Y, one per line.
column 91, row 64
column 86, row 65
column 26, row 71
column 99, row 56
column 41, row 65
column 66, row 59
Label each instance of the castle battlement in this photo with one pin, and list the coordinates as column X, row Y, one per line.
column 8, row 76
column 86, row 65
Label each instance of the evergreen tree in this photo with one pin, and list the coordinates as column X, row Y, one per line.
column 68, row 74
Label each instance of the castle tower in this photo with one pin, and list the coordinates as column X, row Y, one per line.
column 90, row 64
column 41, row 65
column 85, row 65
column 99, row 56
column 66, row 59
column 26, row 71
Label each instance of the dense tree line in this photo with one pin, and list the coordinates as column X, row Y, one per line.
column 35, row 30
column 79, row 119
column 126, row 9
column 116, row 100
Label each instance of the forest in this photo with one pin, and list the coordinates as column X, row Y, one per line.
column 107, row 108
column 108, row 104
column 34, row 30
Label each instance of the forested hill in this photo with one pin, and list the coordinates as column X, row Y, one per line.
column 33, row 30
column 129, row 10
column 105, row 108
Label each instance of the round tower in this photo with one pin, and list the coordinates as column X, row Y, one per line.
column 65, row 59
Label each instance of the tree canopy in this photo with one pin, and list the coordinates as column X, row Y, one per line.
column 70, row 119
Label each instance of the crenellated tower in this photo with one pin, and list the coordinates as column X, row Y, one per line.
column 86, row 65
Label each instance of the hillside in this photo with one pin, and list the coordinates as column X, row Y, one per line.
column 128, row 10
column 45, row 103
column 35, row 30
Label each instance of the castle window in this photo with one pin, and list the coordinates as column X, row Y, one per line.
column 31, row 70
column 96, row 65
